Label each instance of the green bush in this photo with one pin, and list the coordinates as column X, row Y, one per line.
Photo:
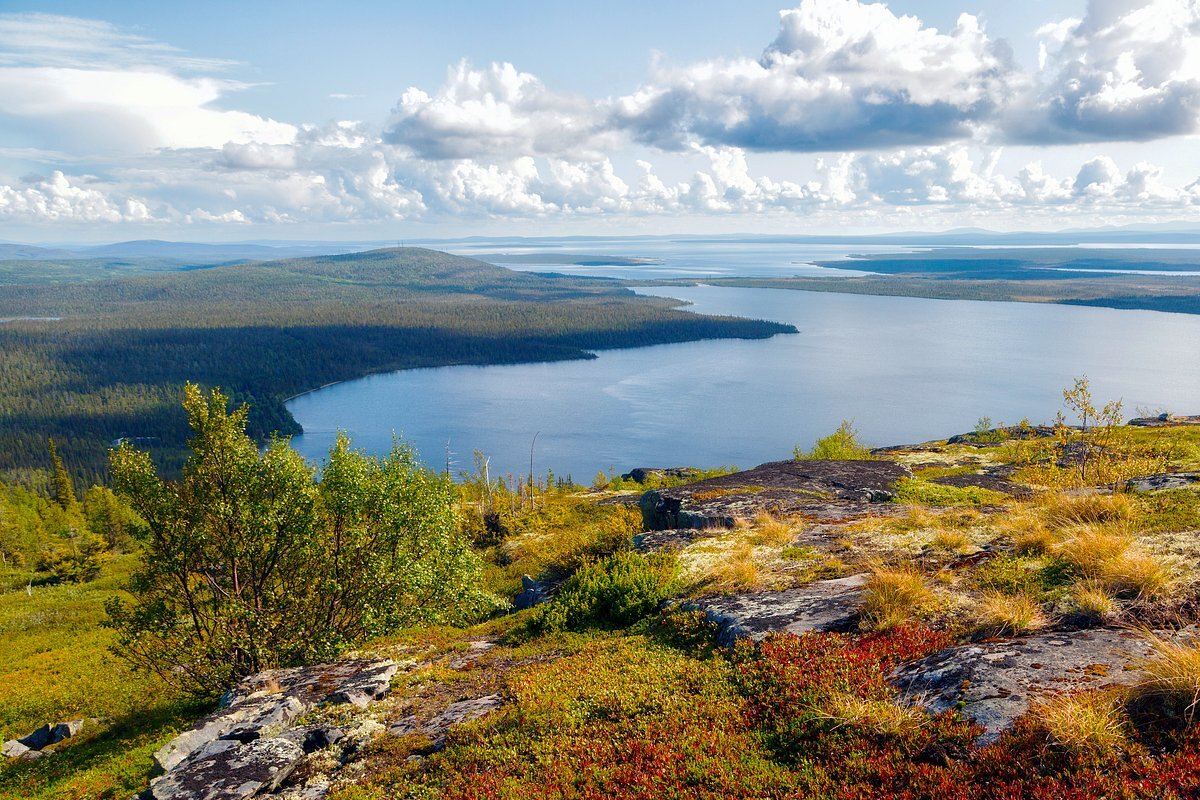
column 613, row 592
column 841, row 445
column 251, row 562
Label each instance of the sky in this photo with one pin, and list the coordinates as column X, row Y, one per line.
column 229, row 121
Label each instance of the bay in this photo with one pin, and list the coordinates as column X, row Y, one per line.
column 903, row 369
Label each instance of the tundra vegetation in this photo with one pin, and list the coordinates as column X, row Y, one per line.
column 617, row 686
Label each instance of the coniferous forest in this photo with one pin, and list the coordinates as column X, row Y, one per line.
column 91, row 362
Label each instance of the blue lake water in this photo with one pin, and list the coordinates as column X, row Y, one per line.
column 903, row 369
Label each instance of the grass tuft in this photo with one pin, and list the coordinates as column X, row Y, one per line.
column 894, row 596
column 1083, row 723
column 1172, row 678
column 1013, row 614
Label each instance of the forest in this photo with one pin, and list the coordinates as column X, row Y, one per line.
column 91, row 362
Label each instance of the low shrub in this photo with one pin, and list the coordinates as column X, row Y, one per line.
column 612, row 592
column 841, row 445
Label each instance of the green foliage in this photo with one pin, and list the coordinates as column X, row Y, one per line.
column 57, row 666
column 915, row 491
column 613, row 592
column 251, row 563
column 1036, row 577
column 64, row 491
column 109, row 517
column 841, row 445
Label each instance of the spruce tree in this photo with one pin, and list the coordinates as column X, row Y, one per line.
column 64, row 491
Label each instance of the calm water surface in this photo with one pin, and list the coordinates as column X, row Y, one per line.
column 903, row 369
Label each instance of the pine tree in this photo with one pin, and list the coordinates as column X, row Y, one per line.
column 64, row 491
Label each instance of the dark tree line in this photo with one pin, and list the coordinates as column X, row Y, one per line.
column 114, row 365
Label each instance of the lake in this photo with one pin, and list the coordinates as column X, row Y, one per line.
column 904, row 369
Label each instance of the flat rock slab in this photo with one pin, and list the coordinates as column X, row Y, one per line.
column 226, row 769
column 780, row 488
column 1164, row 421
column 1163, row 480
column 992, row 483
column 454, row 714
column 653, row 541
column 823, row 605
column 265, row 704
column 993, row 683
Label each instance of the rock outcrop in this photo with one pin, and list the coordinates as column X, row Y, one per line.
column 250, row 745
column 1163, row 480
column 993, row 683
column 1164, row 421
column 819, row 606
column 781, row 488
column 33, row 744
column 643, row 474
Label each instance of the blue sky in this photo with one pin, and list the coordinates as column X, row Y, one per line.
column 379, row 120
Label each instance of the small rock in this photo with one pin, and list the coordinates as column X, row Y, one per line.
column 271, row 720
column 321, row 738
column 532, row 593
column 457, row 713
column 643, row 474
column 39, row 738
column 13, row 749
column 65, row 730
column 371, row 683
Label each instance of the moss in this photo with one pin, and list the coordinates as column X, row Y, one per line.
column 915, row 491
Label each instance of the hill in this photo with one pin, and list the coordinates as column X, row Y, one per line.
column 92, row 361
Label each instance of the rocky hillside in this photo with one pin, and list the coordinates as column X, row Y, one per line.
column 1007, row 613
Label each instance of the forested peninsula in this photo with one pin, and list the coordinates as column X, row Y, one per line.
column 92, row 361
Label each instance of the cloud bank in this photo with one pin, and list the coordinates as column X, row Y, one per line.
column 874, row 117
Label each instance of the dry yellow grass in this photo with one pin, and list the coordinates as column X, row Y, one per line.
column 1139, row 574
column 740, row 571
column 1000, row 613
column 769, row 530
column 950, row 539
column 1109, row 557
column 881, row 717
column 893, row 596
column 1085, row 723
column 1172, row 676
column 1094, row 600
column 1091, row 549
column 1063, row 510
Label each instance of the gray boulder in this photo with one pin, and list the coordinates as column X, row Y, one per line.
column 823, row 605
column 532, row 593
column 65, row 730
column 1163, row 480
column 782, row 488
column 227, row 769
column 39, row 738
column 14, row 749
column 993, row 683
